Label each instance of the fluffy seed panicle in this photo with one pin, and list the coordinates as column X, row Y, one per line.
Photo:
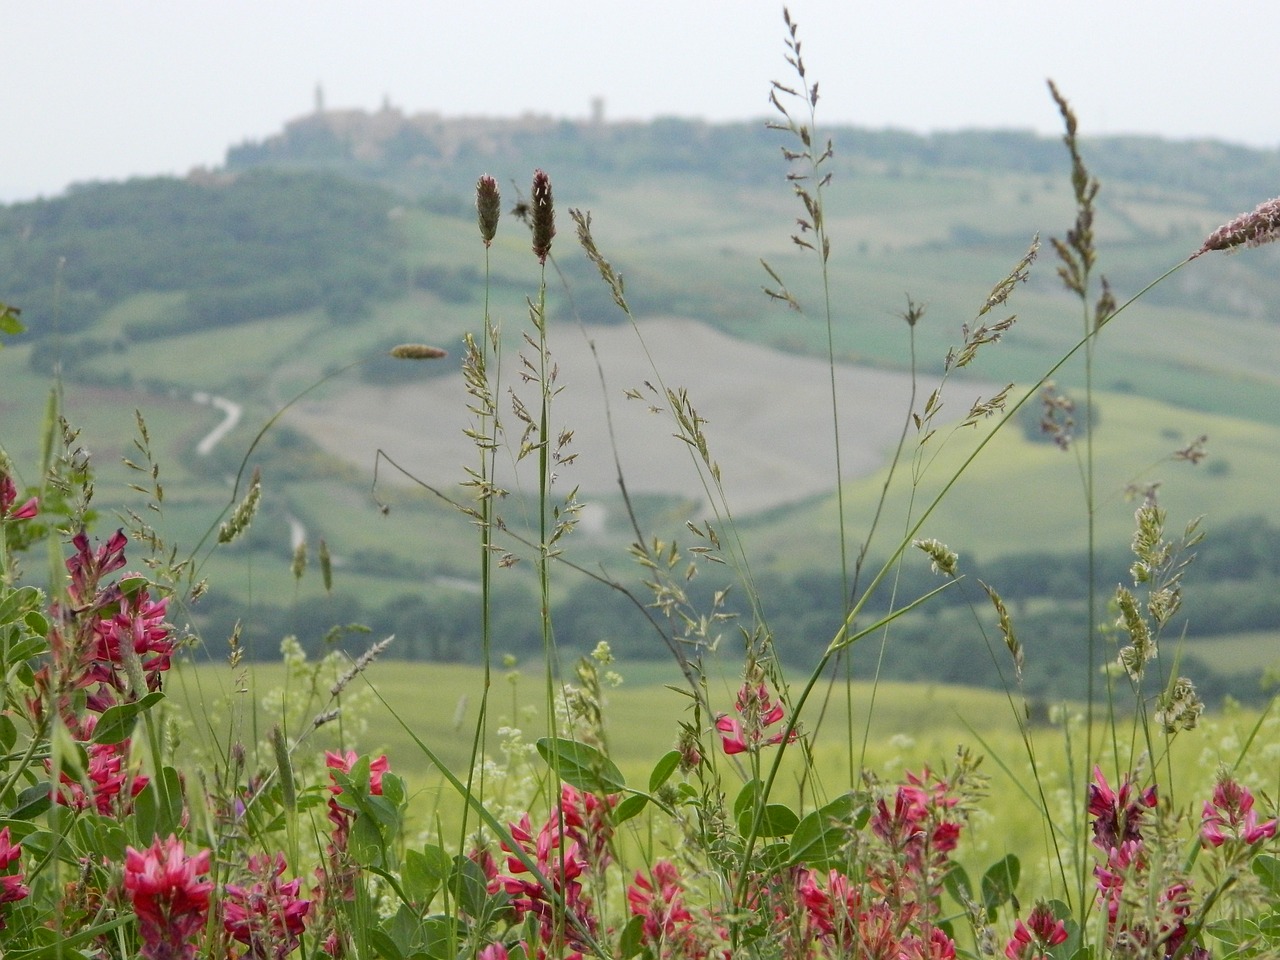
column 1253, row 229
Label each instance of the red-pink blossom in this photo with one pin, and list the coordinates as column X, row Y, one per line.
column 9, row 494
column 1033, row 940
column 565, row 910
column 107, row 778
column 669, row 927
column 1117, row 813
column 170, row 902
column 1230, row 816
column 11, row 886
column 269, row 916
column 87, row 567
column 757, row 711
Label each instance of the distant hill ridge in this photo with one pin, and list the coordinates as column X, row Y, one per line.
column 421, row 151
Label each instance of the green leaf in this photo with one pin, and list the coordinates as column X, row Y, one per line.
column 1267, row 869
column 440, row 936
column 425, row 871
column 37, row 623
column 8, row 733
column 117, row 722
column 746, row 799
column 171, row 808
column 632, row 940
column 18, row 604
column 367, row 842
column 582, row 765
column 383, row 945
column 777, row 819
column 32, row 802
column 999, row 883
column 957, row 883
column 629, row 808
column 146, row 814
column 663, row 769
column 469, row 886
column 819, row 839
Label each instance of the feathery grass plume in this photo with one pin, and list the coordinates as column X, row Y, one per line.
column 1142, row 648
column 543, row 214
column 1179, row 708
column 488, row 207
column 326, row 566
column 607, row 273
column 244, row 512
column 361, row 663
column 1019, row 274
column 942, row 558
column 1006, row 628
column 237, row 651
column 1077, row 253
column 1260, row 226
column 417, row 351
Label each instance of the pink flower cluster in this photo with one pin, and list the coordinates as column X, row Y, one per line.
column 268, row 917
column 1034, row 939
column 337, row 875
column 573, row 844
column 756, row 711
column 169, row 899
column 1124, row 878
column 1230, row 818
column 890, row 911
column 669, row 930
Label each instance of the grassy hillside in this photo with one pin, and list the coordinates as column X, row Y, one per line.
column 938, row 220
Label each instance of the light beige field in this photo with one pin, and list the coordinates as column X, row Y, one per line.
column 768, row 416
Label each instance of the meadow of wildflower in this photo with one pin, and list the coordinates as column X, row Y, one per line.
column 739, row 805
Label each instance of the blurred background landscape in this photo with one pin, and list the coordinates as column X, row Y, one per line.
column 208, row 301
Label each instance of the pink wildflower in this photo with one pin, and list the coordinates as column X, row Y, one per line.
column 11, row 885
column 936, row 946
column 8, row 494
column 107, row 778
column 1033, row 940
column 757, row 711
column 87, row 567
column 564, row 911
column 1230, row 816
column 137, row 625
column 269, row 917
column 1117, row 814
column 171, row 904
column 669, row 928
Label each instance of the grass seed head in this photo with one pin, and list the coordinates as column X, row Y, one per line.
column 1253, row 229
column 488, row 207
column 417, row 351
column 544, row 216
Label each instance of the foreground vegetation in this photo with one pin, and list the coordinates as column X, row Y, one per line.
column 738, row 810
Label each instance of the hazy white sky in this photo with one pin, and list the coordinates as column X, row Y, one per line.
column 104, row 90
